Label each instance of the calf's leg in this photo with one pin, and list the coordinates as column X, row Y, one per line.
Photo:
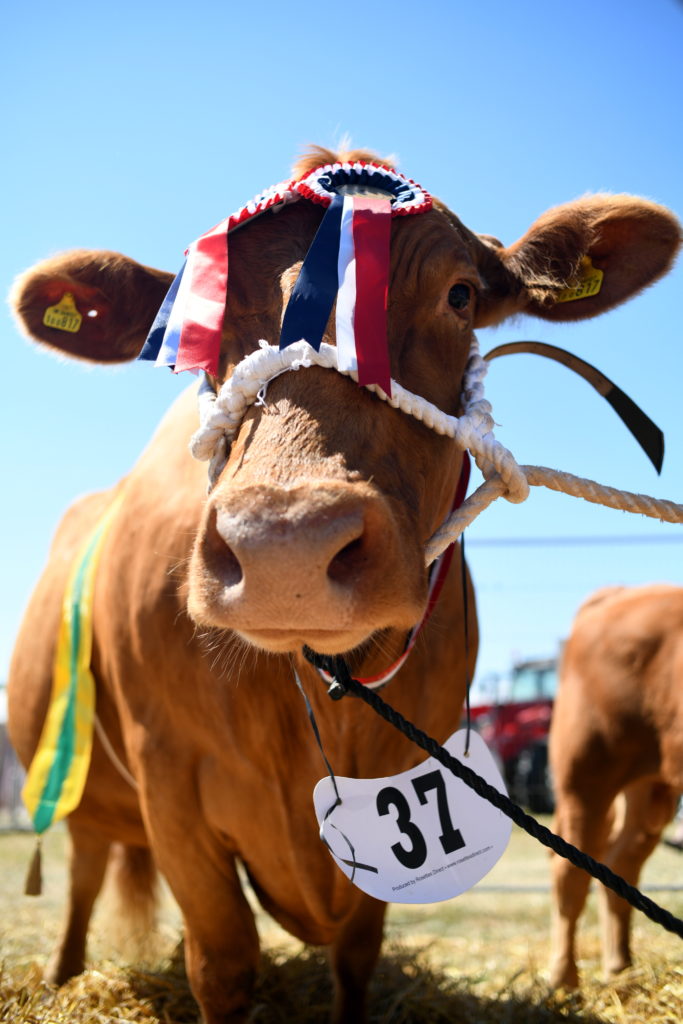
column 353, row 956
column 649, row 807
column 87, row 865
column 583, row 820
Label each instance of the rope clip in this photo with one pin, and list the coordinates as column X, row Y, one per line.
column 335, row 667
column 336, row 691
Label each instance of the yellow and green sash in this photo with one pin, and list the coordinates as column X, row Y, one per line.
column 56, row 777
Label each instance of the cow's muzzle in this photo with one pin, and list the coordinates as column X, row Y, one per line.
column 319, row 563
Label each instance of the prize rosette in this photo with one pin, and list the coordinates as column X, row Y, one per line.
column 348, row 261
column 364, row 179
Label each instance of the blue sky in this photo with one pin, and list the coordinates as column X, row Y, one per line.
column 136, row 127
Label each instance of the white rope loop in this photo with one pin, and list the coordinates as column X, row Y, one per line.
column 220, row 417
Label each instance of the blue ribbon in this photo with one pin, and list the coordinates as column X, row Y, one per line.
column 313, row 295
column 153, row 342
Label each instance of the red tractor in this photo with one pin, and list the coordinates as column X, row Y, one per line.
column 512, row 714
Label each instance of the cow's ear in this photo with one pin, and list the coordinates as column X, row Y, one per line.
column 583, row 258
column 90, row 304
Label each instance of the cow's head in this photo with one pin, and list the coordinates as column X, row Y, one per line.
column 315, row 530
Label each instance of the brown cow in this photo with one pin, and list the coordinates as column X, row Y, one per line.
column 617, row 729
column 313, row 535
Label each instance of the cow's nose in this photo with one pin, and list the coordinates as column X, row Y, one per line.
column 262, row 535
column 299, row 557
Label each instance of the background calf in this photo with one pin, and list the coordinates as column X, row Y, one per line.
column 617, row 730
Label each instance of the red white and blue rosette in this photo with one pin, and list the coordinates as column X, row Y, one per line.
column 367, row 179
column 348, row 261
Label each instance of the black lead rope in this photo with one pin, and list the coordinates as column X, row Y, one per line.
column 466, row 631
column 344, row 683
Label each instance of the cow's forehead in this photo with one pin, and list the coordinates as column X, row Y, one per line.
column 432, row 247
column 471, row 239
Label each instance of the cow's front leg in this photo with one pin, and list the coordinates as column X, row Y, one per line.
column 353, row 957
column 221, row 941
column 222, row 962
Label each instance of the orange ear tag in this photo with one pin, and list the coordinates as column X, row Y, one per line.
column 589, row 283
column 64, row 316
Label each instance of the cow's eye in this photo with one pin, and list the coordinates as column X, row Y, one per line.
column 460, row 296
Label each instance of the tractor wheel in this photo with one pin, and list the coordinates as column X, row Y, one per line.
column 533, row 780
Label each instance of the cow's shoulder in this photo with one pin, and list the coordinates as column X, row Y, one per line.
column 162, row 496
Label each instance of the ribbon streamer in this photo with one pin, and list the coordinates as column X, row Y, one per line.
column 168, row 352
column 155, row 338
column 186, row 333
column 348, row 260
column 200, row 338
column 371, row 237
column 346, row 296
column 313, row 295
column 57, row 774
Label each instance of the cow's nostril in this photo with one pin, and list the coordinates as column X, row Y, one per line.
column 347, row 563
column 225, row 563
column 229, row 567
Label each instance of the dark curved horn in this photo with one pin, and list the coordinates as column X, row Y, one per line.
column 647, row 434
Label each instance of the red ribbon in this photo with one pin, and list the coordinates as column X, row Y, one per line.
column 371, row 238
column 200, row 340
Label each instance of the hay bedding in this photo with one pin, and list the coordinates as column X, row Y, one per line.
column 295, row 989
column 477, row 960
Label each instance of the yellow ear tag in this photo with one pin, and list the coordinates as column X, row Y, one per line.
column 590, row 283
column 64, row 316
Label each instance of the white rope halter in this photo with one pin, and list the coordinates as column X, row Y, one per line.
column 221, row 414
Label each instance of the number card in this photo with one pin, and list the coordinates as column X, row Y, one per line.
column 418, row 837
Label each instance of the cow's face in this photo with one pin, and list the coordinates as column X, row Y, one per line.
column 314, row 532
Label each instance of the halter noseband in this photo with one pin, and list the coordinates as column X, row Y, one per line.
column 221, row 413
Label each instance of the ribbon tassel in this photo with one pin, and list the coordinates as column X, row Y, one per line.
column 34, row 876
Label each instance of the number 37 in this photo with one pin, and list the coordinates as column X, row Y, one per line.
column 416, row 854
